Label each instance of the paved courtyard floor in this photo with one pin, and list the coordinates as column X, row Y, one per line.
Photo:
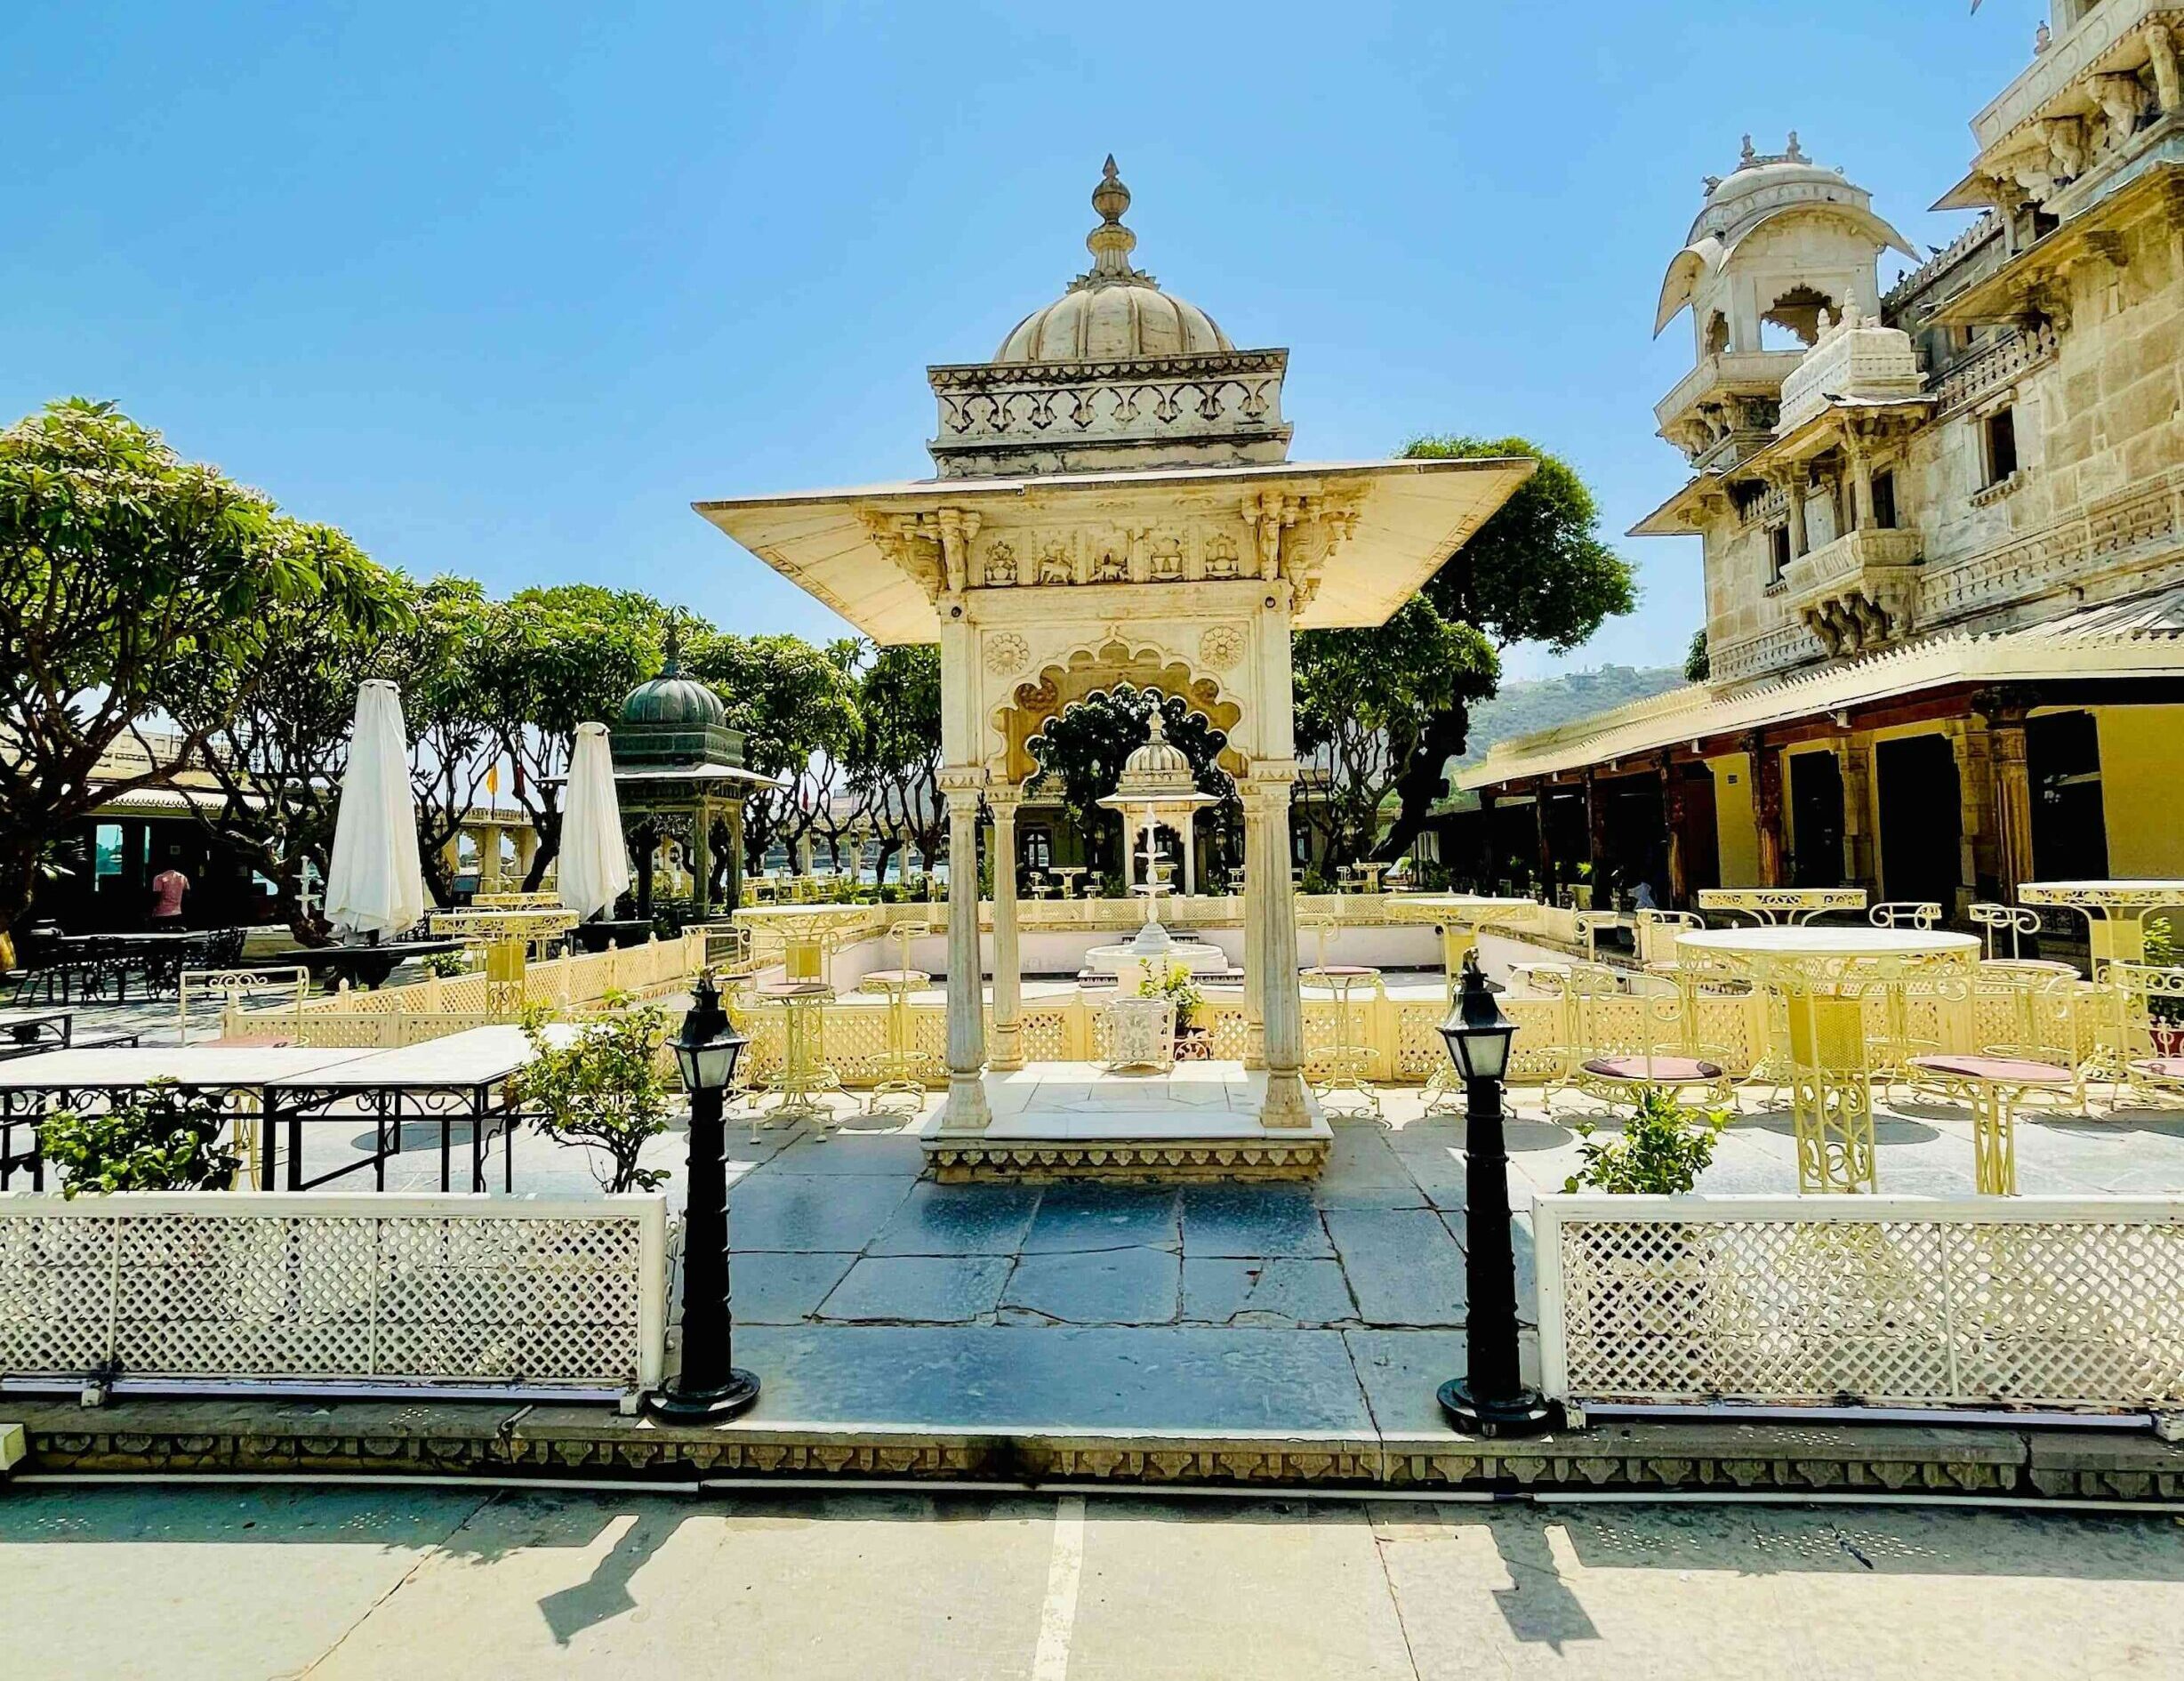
column 232, row 1584
column 866, row 1295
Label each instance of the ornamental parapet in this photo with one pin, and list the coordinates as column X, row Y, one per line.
column 1859, row 592
column 1225, row 406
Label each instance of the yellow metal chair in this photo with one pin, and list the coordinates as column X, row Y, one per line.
column 1920, row 913
column 2038, row 1056
column 2015, row 920
column 1615, row 1045
column 2147, row 1015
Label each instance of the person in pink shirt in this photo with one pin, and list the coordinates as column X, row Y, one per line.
column 168, row 886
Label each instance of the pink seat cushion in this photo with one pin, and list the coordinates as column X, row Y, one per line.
column 2016, row 1071
column 2161, row 1068
column 1656, row 1070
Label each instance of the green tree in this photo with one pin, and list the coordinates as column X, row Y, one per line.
column 280, row 748
column 894, row 762
column 1080, row 755
column 1536, row 571
column 1698, row 663
column 133, row 585
column 440, row 662
column 791, row 701
column 1366, row 706
column 550, row 659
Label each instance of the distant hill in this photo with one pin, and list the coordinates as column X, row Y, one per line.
column 1541, row 703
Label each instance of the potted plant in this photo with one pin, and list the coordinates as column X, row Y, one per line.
column 2165, row 1012
column 1193, row 1042
column 602, row 1086
column 1662, row 1150
column 159, row 1139
column 446, row 965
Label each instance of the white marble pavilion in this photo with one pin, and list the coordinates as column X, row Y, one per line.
column 1113, row 502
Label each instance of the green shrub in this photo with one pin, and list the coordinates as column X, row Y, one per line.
column 1662, row 1150
column 158, row 1140
column 1177, row 986
column 603, row 1087
column 446, row 965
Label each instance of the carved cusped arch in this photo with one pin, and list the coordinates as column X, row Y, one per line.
column 1114, row 662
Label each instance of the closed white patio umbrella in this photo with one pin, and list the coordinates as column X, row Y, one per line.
column 592, row 865
column 376, row 884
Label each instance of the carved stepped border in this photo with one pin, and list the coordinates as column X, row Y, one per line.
column 226, row 1439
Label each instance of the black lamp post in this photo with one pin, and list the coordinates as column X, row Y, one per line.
column 710, row 1386
column 1491, row 1398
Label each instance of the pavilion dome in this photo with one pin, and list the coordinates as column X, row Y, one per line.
column 1112, row 311
column 674, row 699
column 1160, row 767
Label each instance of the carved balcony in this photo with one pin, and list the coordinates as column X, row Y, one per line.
column 2107, row 32
column 1858, row 592
column 1726, row 406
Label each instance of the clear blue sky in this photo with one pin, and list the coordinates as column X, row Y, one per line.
column 502, row 287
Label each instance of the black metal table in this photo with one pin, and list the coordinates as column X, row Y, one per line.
column 362, row 966
column 81, row 1078
column 24, row 1033
column 464, row 1078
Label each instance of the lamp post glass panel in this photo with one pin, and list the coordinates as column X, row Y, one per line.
column 709, row 1385
column 1491, row 1398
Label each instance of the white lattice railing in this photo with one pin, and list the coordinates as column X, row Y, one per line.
column 2048, row 1303
column 320, row 1294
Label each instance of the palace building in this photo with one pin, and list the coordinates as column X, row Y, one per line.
column 1943, row 537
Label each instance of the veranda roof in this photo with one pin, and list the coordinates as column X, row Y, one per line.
column 2140, row 636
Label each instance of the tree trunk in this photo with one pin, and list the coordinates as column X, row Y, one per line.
column 1421, row 782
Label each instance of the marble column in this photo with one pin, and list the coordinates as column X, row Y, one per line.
column 1282, row 1005
column 967, row 1110
column 489, row 858
column 1254, row 898
column 1007, row 970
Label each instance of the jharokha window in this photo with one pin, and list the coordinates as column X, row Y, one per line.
column 1778, row 552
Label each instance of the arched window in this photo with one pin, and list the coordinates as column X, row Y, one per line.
column 1793, row 320
column 1717, row 333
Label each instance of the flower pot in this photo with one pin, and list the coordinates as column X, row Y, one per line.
column 1193, row 1044
column 2168, row 1038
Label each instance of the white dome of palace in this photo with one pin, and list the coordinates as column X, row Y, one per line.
column 1112, row 312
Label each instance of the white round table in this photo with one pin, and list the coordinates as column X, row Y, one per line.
column 1823, row 976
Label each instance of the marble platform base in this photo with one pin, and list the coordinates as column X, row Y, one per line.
column 1075, row 1121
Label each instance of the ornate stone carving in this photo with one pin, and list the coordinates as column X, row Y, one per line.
column 1006, row 652
column 1220, row 556
column 1221, row 647
column 1166, row 559
column 1054, row 563
column 1000, row 566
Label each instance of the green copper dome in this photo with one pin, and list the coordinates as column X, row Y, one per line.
column 674, row 700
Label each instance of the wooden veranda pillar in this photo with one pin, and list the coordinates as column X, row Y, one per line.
column 1674, row 811
column 1767, row 807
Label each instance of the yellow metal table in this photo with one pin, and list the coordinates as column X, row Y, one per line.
column 1350, row 1058
column 1770, row 906
column 1823, row 976
column 2115, row 912
column 901, row 1069
column 507, row 935
column 805, row 1079
column 808, row 934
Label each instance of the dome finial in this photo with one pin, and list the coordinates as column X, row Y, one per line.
column 1110, row 242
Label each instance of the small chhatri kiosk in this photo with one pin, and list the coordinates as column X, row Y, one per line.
column 1113, row 503
column 679, row 777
